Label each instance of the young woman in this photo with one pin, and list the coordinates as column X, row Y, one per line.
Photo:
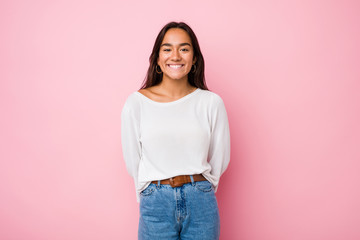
column 176, row 141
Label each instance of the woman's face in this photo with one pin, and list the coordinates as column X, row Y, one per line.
column 176, row 54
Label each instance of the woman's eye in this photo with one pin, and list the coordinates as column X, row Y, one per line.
column 184, row 49
column 166, row 50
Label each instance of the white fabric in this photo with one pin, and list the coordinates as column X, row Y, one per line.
column 183, row 137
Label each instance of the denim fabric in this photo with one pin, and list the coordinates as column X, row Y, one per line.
column 187, row 212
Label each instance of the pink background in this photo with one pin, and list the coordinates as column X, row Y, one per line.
column 288, row 72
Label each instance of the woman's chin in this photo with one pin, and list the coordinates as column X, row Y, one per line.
column 176, row 76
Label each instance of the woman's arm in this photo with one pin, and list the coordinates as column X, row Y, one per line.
column 130, row 140
column 219, row 151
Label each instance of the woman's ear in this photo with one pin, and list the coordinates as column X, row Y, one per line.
column 194, row 60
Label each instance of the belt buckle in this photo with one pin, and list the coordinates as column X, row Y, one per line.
column 174, row 183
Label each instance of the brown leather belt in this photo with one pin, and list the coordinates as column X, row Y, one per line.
column 178, row 181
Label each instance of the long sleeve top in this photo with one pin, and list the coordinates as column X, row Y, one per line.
column 187, row 136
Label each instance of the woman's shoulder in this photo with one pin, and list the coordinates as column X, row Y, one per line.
column 135, row 97
column 150, row 93
column 212, row 96
column 132, row 100
column 147, row 92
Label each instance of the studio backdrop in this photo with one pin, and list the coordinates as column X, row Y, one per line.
column 287, row 71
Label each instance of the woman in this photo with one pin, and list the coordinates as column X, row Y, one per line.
column 176, row 141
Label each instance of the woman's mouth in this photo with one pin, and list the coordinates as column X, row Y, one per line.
column 175, row 66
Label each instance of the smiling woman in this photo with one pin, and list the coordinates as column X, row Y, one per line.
column 176, row 141
column 176, row 55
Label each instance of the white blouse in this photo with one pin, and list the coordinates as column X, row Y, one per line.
column 188, row 136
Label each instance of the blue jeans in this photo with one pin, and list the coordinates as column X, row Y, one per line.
column 187, row 212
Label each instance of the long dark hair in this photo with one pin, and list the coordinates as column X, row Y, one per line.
column 196, row 79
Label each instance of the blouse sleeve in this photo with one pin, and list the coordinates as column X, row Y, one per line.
column 130, row 141
column 219, row 152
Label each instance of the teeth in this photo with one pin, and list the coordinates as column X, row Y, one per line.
column 175, row 66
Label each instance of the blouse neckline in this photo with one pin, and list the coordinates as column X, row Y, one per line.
column 169, row 103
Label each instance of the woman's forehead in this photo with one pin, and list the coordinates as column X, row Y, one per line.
column 176, row 36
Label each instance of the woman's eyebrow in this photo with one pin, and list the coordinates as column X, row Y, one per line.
column 181, row 44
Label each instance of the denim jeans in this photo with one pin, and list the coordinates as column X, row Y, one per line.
column 187, row 212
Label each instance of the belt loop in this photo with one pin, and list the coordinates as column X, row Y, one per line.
column 158, row 184
column 192, row 180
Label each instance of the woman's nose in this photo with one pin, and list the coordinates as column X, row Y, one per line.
column 176, row 55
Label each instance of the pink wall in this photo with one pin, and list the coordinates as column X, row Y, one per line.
column 288, row 72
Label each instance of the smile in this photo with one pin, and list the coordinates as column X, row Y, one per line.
column 175, row 66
